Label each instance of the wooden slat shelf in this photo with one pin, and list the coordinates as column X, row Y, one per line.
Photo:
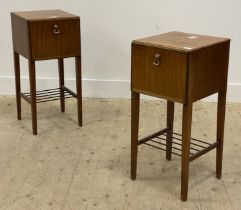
column 49, row 95
column 158, row 141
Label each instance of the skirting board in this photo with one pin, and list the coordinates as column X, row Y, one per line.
column 95, row 88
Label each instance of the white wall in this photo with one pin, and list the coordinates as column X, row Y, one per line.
column 109, row 26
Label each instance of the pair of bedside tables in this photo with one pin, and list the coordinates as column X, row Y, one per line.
column 175, row 66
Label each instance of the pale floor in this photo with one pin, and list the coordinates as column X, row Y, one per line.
column 66, row 167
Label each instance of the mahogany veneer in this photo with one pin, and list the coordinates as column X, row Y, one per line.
column 179, row 67
column 42, row 35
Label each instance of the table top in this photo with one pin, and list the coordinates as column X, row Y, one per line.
column 180, row 41
column 38, row 15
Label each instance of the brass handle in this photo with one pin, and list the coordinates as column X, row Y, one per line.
column 156, row 61
column 56, row 29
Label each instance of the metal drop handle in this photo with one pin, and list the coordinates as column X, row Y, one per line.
column 56, row 29
column 156, row 61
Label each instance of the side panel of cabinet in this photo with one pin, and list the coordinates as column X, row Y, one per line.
column 20, row 35
column 208, row 68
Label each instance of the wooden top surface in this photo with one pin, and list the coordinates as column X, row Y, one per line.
column 44, row 15
column 185, row 42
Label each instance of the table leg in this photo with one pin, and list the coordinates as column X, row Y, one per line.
column 135, row 107
column 17, row 84
column 220, row 132
column 61, row 83
column 32, row 79
column 186, row 135
column 79, row 88
column 170, row 118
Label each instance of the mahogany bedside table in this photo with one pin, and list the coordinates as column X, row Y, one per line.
column 184, row 68
column 42, row 35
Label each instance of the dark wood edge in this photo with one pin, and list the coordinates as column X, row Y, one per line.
column 57, row 57
column 52, row 19
column 45, row 19
column 158, row 96
column 187, row 91
column 177, row 49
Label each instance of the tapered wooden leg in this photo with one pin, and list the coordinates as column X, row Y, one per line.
column 135, row 107
column 170, row 118
column 32, row 79
column 79, row 88
column 220, row 132
column 186, row 135
column 61, row 83
column 17, row 84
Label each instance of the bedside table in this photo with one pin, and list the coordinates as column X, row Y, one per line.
column 184, row 68
column 43, row 35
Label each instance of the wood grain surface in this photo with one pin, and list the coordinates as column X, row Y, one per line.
column 35, row 37
column 44, row 15
column 45, row 44
column 181, row 41
column 167, row 80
